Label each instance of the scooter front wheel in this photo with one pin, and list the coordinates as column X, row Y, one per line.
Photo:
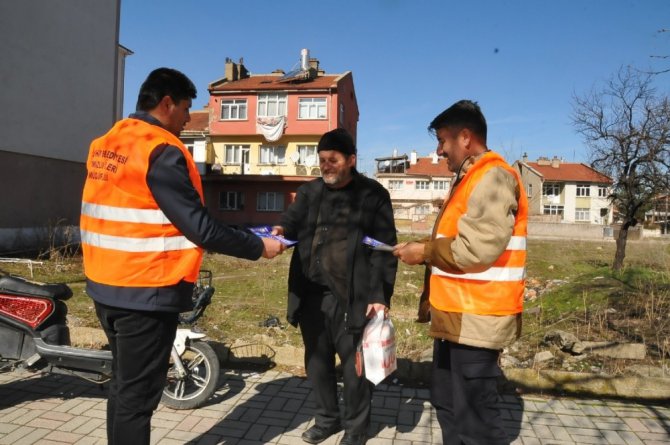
column 199, row 383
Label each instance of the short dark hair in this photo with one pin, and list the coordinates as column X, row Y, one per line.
column 462, row 114
column 163, row 82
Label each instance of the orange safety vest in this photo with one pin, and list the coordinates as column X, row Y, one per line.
column 499, row 289
column 126, row 239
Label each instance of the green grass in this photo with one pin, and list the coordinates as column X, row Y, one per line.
column 584, row 296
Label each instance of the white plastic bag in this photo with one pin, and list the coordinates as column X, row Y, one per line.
column 378, row 344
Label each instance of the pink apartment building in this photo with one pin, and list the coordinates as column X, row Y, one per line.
column 258, row 144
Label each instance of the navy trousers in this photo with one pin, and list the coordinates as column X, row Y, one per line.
column 141, row 343
column 322, row 328
column 464, row 393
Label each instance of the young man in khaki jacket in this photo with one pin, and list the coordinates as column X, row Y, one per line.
column 474, row 285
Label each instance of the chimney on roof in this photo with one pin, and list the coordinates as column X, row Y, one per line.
column 435, row 158
column 235, row 71
column 555, row 162
column 412, row 157
column 314, row 68
column 543, row 161
column 525, row 158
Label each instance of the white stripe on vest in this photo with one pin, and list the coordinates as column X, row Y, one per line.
column 127, row 244
column 515, row 242
column 490, row 274
column 124, row 214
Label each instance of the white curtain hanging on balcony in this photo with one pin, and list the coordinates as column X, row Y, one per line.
column 271, row 127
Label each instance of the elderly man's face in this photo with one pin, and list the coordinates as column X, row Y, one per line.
column 336, row 167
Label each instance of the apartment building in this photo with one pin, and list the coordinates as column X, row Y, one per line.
column 417, row 185
column 261, row 137
column 560, row 191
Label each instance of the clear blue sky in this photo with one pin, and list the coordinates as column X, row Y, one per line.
column 521, row 60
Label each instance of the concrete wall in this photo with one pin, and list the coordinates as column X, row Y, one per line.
column 569, row 231
column 60, row 84
column 58, row 73
column 40, row 198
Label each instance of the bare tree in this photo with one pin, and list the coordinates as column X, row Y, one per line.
column 627, row 129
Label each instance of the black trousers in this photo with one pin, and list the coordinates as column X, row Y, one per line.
column 141, row 343
column 464, row 393
column 322, row 327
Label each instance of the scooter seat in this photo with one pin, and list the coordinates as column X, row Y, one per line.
column 19, row 286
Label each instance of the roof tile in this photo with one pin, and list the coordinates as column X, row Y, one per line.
column 566, row 172
column 425, row 167
column 199, row 121
column 271, row 82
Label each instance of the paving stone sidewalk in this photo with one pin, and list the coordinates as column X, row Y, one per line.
column 275, row 407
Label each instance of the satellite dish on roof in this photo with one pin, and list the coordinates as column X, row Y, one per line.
column 295, row 156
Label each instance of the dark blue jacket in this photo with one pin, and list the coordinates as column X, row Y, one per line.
column 370, row 274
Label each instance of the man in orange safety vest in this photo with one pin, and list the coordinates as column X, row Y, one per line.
column 474, row 287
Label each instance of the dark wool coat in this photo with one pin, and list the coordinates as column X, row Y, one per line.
column 370, row 274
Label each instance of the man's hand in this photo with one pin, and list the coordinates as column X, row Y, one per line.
column 272, row 247
column 277, row 230
column 373, row 308
column 410, row 253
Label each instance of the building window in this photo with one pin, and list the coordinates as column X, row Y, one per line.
column 421, row 185
column 551, row 189
column 583, row 190
column 602, row 191
column 529, row 190
column 270, row 202
column 271, row 154
column 440, row 185
column 552, row 210
column 307, row 155
column 234, row 110
column 582, row 214
column 395, row 184
column 424, row 209
column 233, row 154
column 271, row 105
column 231, row 201
column 312, row 108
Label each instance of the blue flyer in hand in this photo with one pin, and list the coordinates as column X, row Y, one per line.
column 377, row 245
column 266, row 232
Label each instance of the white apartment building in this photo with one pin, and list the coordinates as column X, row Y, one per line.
column 417, row 185
column 565, row 192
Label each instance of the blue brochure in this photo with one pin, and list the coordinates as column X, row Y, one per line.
column 377, row 245
column 266, row 232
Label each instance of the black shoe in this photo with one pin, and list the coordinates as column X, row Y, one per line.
column 317, row 434
column 353, row 439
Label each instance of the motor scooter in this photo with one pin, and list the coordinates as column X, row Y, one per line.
column 34, row 336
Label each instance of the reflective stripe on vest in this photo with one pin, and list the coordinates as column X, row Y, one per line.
column 126, row 244
column 110, row 213
column 493, row 273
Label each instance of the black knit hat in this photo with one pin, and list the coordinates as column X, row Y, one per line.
column 338, row 139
